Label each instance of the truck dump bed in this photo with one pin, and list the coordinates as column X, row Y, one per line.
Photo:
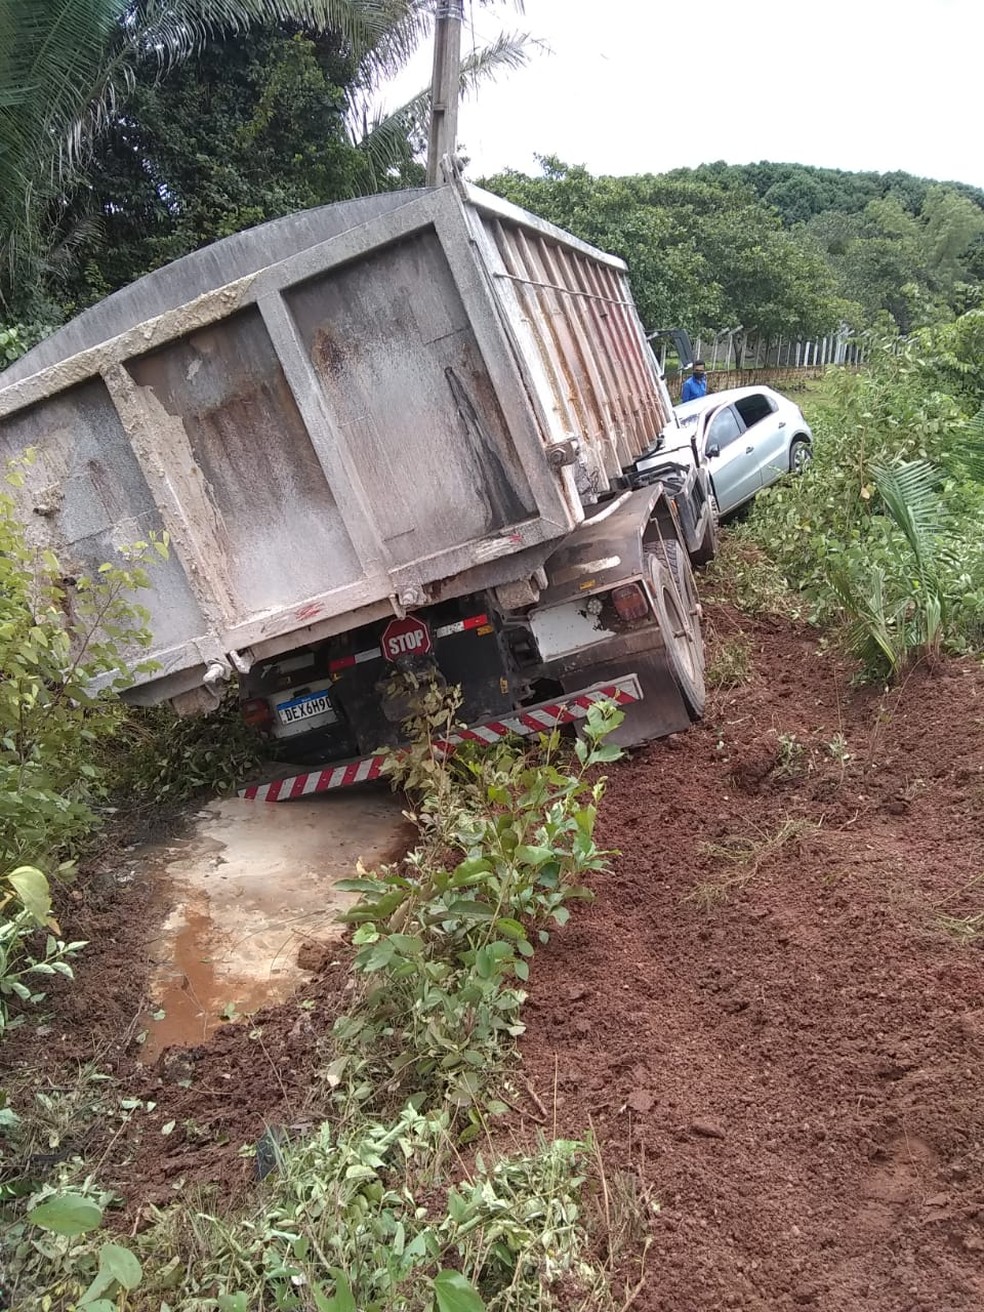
column 339, row 415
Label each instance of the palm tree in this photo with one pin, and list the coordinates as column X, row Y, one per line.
column 67, row 67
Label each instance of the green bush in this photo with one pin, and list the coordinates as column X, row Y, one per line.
column 158, row 756
column 57, row 639
column 373, row 1209
column 893, row 487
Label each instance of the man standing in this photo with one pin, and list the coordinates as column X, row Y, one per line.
column 696, row 385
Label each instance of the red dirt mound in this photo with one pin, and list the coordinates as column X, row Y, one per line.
column 766, row 1010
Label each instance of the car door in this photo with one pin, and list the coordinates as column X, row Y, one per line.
column 765, row 429
column 731, row 460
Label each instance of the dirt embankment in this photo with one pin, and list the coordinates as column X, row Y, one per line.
column 766, row 1011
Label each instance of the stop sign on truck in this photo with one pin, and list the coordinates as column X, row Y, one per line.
column 406, row 637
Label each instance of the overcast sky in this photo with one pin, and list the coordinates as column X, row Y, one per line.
column 633, row 86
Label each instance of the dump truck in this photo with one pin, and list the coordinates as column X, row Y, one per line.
column 411, row 440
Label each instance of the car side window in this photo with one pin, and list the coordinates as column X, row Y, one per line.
column 723, row 429
column 754, row 408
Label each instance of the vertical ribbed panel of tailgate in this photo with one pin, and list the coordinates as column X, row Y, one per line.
column 583, row 324
column 393, row 347
column 279, row 536
column 84, row 496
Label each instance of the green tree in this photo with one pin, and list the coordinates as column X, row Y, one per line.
column 69, row 70
column 246, row 132
column 700, row 254
column 952, row 224
column 66, row 68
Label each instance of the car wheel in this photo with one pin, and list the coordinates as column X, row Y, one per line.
column 800, row 455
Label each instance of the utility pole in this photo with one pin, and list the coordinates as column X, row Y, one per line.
column 443, row 134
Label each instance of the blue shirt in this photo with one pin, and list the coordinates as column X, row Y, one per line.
column 694, row 388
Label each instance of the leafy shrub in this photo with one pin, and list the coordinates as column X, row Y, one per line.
column 56, row 638
column 441, row 1007
column 25, row 908
column 158, row 756
column 881, row 533
column 348, row 1218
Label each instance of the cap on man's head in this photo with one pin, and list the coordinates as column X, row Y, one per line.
column 698, row 364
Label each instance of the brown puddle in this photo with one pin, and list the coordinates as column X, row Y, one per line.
column 251, row 886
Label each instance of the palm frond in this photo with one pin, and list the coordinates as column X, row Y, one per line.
column 967, row 451
column 66, row 66
column 507, row 53
column 383, row 136
column 909, row 493
column 874, row 630
column 394, row 44
column 386, row 138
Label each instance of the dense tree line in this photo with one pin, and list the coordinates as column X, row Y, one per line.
column 780, row 249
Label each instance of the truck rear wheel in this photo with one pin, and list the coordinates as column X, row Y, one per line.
column 678, row 614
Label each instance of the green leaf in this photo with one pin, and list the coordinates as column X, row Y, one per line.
column 67, row 1214
column 469, row 870
column 510, row 928
column 233, row 1303
column 453, row 1293
column 120, row 1265
column 471, row 910
column 32, row 889
column 534, row 856
column 342, row 1300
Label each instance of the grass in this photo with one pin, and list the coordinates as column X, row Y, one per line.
column 744, row 857
column 965, row 929
column 743, row 576
column 731, row 664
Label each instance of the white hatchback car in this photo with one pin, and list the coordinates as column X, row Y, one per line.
column 751, row 437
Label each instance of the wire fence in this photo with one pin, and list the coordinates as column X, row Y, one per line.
column 734, row 351
column 720, row 380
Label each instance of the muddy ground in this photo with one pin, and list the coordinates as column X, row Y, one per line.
column 769, row 1013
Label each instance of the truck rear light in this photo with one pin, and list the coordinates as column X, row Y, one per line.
column 256, row 713
column 630, row 603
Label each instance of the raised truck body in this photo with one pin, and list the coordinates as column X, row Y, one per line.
column 418, row 437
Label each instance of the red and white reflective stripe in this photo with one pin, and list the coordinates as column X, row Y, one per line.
column 375, row 654
column 544, row 718
column 316, row 781
column 462, row 626
column 537, row 719
column 346, row 662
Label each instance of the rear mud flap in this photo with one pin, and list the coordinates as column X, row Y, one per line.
column 661, row 710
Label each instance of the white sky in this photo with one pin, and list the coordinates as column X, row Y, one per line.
column 634, row 86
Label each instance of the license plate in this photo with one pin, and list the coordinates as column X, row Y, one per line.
column 305, row 708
